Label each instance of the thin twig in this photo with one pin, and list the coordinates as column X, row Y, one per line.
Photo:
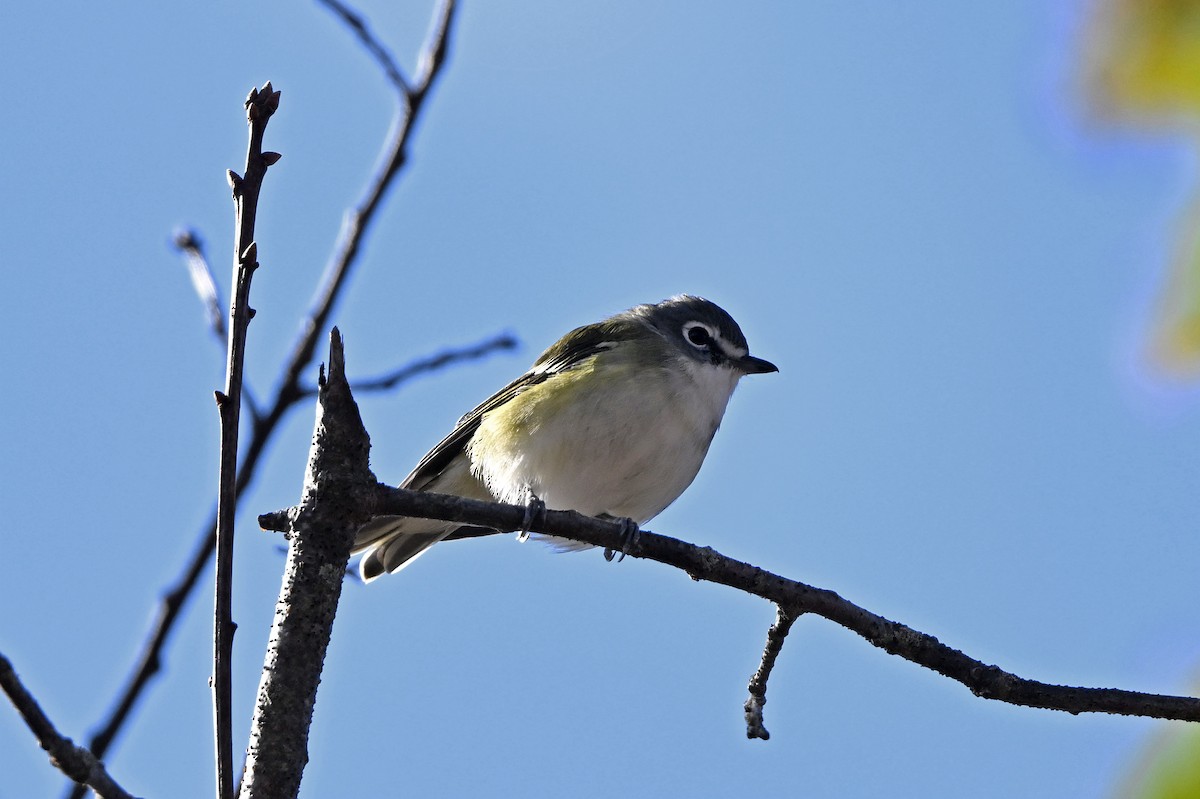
column 778, row 632
column 76, row 762
column 189, row 243
column 430, row 363
column 356, row 23
column 433, row 54
column 704, row 563
column 172, row 602
column 288, row 391
column 260, row 106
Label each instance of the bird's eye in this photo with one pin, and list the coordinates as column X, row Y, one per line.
column 698, row 336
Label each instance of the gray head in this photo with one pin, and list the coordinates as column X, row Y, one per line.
column 703, row 331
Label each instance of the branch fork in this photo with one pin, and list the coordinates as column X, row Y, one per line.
column 289, row 391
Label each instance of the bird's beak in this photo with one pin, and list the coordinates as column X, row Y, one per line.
column 750, row 365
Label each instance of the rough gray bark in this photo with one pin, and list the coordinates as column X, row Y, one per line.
column 339, row 489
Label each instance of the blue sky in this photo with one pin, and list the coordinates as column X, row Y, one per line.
column 908, row 209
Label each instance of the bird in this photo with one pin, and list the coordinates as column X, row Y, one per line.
column 613, row 420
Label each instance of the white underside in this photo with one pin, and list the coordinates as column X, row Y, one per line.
column 626, row 449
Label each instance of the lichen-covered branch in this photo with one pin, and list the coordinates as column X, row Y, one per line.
column 338, row 488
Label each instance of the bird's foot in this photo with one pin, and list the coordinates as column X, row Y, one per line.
column 629, row 538
column 535, row 511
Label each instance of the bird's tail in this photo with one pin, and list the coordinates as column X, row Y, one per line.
column 392, row 542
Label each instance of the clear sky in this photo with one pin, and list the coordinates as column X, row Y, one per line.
column 907, row 207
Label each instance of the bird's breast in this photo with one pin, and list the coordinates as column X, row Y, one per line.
column 602, row 439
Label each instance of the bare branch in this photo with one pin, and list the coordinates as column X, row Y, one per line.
column 430, row 363
column 784, row 619
column 149, row 661
column 76, row 762
column 356, row 23
column 433, row 54
column 703, row 563
column 288, row 391
column 359, row 219
column 175, row 597
column 338, row 489
column 189, row 243
column 260, row 106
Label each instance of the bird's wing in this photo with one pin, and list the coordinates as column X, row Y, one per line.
column 572, row 350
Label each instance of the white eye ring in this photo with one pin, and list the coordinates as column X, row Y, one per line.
column 699, row 335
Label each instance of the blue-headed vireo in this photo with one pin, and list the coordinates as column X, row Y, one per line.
column 613, row 420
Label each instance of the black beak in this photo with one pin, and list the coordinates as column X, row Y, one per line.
column 750, row 365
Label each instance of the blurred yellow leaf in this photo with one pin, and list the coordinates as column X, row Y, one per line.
column 1170, row 768
column 1177, row 337
column 1143, row 65
column 1145, row 56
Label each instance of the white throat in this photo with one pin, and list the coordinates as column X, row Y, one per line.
column 709, row 391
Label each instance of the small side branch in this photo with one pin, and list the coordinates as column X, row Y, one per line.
column 784, row 619
column 76, row 762
column 432, row 363
column 188, row 242
column 703, row 563
column 355, row 22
